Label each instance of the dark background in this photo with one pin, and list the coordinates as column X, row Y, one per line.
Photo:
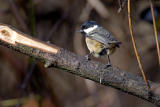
column 57, row 21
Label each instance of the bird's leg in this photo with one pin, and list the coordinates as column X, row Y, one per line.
column 109, row 62
column 88, row 56
column 107, row 65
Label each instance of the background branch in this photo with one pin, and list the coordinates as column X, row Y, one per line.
column 69, row 62
column 134, row 46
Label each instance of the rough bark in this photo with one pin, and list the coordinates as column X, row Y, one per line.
column 69, row 62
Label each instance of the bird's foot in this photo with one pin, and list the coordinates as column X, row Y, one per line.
column 108, row 65
column 87, row 57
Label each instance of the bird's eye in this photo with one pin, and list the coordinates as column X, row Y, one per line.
column 84, row 26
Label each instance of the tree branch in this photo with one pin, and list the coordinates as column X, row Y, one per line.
column 67, row 61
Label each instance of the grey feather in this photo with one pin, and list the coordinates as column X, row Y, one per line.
column 103, row 36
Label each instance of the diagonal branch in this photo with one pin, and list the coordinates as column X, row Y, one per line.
column 69, row 62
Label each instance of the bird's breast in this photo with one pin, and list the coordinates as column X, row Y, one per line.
column 94, row 46
column 99, row 49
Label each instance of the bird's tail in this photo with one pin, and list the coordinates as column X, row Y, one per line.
column 117, row 44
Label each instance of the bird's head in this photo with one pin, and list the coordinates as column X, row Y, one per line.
column 88, row 27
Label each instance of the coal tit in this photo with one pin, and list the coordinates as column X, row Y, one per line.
column 98, row 40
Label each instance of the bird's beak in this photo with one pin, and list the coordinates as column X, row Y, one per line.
column 80, row 31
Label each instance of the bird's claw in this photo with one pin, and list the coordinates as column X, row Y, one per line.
column 87, row 57
column 108, row 65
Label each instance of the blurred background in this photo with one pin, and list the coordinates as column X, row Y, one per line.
column 24, row 82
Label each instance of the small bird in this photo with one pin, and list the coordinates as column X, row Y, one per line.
column 98, row 40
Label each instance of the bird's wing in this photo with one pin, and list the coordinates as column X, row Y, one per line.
column 103, row 36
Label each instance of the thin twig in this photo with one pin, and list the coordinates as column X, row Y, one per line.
column 134, row 46
column 60, row 21
column 18, row 16
column 155, row 30
column 100, row 8
column 121, row 5
column 25, row 82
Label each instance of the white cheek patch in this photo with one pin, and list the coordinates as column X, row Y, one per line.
column 90, row 29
